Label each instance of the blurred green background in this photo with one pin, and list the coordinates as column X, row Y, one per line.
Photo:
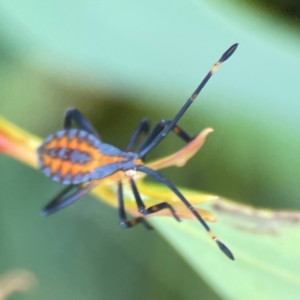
column 118, row 61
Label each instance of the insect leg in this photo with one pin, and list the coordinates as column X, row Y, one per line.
column 143, row 127
column 151, row 209
column 163, row 180
column 190, row 100
column 77, row 116
column 60, row 201
column 122, row 214
column 159, row 128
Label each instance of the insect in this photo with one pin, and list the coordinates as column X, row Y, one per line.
column 79, row 159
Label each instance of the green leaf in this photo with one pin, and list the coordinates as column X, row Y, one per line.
column 267, row 256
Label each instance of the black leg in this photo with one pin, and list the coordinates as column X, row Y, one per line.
column 183, row 109
column 83, row 123
column 163, row 180
column 122, row 214
column 159, row 128
column 143, row 127
column 151, row 209
column 60, row 201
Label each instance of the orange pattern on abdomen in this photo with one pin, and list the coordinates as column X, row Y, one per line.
column 57, row 153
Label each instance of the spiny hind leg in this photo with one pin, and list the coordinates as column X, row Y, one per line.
column 152, row 209
column 61, row 200
column 122, row 214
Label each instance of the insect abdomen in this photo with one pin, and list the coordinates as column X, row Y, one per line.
column 69, row 156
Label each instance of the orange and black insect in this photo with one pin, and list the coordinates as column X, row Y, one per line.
column 79, row 159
